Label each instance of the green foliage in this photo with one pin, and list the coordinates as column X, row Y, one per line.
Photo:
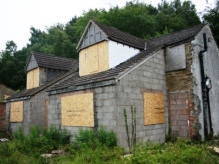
column 182, row 151
column 40, row 142
column 212, row 17
column 90, row 138
column 131, row 141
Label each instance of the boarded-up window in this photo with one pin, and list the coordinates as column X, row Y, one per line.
column 16, row 113
column 33, row 78
column 78, row 110
column 153, row 108
column 94, row 59
column 175, row 58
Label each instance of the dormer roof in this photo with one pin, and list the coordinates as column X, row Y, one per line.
column 96, row 32
column 49, row 61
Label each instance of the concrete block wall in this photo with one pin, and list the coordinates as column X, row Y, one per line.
column 110, row 101
column 37, row 114
column 2, row 116
column 13, row 126
column 129, row 92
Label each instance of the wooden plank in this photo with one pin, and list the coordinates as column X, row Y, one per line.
column 78, row 110
column 153, row 108
column 16, row 113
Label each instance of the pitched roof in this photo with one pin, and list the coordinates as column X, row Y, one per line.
column 29, row 92
column 116, row 35
column 153, row 46
column 121, row 37
column 176, row 38
column 52, row 61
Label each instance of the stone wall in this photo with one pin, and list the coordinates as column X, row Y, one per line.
column 2, row 116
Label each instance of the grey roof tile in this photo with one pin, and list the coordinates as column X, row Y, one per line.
column 54, row 62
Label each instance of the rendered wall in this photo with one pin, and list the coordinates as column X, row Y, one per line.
column 94, row 59
column 211, row 60
column 33, row 78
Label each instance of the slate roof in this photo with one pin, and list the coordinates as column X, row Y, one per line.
column 53, row 62
column 121, row 37
column 74, row 80
column 30, row 92
column 153, row 46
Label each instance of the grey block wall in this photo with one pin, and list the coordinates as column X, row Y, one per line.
column 110, row 101
column 13, row 126
column 129, row 92
column 34, row 113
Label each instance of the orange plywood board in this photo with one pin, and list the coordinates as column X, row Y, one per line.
column 94, row 59
column 153, row 108
column 78, row 110
column 16, row 113
column 33, row 78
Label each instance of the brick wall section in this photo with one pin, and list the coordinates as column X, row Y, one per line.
column 2, row 116
column 179, row 114
column 110, row 101
column 180, row 83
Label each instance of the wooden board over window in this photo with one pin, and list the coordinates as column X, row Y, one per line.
column 33, row 78
column 16, row 113
column 78, row 110
column 153, row 108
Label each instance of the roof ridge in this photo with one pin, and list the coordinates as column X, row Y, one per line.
column 190, row 28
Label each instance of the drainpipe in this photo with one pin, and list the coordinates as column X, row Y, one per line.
column 204, row 89
column 209, row 86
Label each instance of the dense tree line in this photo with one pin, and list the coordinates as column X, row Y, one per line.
column 139, row 19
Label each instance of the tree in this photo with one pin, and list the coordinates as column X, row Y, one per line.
column 212, row 17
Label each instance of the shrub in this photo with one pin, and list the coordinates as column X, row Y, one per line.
column 40, row 142
column 92, row 139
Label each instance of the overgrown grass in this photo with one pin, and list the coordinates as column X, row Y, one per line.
column 99, row 146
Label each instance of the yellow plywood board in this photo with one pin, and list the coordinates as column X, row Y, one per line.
column 78, row 110
column 33, row 78
column 153, row 108
column 16, row 113
column 94, row 59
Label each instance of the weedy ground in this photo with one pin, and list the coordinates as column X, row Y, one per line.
column 100, row 147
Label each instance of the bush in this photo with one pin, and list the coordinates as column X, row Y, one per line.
column 40, row 142
column 92, row 139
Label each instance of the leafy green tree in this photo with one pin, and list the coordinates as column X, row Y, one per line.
column 176, row 15
column 12, row 65
column 212, row 17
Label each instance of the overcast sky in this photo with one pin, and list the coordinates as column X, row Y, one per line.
column 17, row 16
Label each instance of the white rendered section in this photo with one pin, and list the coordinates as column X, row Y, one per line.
column 119, row 53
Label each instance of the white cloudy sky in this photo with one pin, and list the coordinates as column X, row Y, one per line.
column 17, row 16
